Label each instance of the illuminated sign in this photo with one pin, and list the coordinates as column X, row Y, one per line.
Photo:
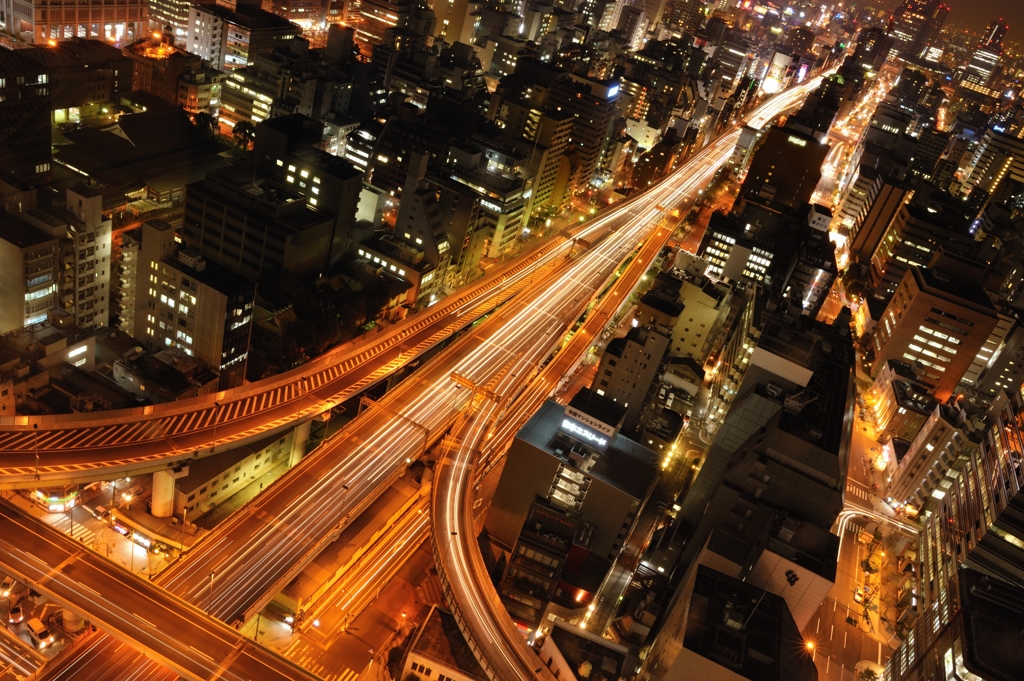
column 797, row 141
column 76, row 352
column 574, row 429
column 613, row 91
column 590, row 421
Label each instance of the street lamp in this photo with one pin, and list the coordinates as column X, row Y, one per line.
column 35, row 429
column 448, row 547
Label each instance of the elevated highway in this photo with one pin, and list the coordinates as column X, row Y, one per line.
column 498, row 645
column 252, row 554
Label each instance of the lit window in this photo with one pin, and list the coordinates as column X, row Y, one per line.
column 291, row 178
column 280, row 162
column 291, row 169
column 312, row 201
column 304, row 173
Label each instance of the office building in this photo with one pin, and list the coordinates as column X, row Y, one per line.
column 785, row 169
column 230, row 39
column 290, row 149
column 998, row 160
column 249, row 222
column 915, row 25
column 944, row 437
column 83, row 75
column 937, row 321
column 734, row 631
column 118, row 22
column 628, row 367
column 184, row 301
column 24, row 120
column 1006, row 372
column 884, row 199
column 375, row 18
column 594, row 105
column 899, row 402
column 209, row 481
column 159, row 65
column 971, row 563
column 572, row 475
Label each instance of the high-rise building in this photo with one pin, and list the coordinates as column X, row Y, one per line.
column 24, row 120
column 376, row 17
column 289, row 148
column 687, row 15
column 594, row 104
column 785, row 168
column 971, row 563
column 873, row 47
column 994, row 34
column 915, row 25
column 571, row 492
column 944, row 437
column 937, row 320
column 628, row 368
column 248, row 222
column 29, row 268
column 184, row 301
column 40, row 21
column 230, row 39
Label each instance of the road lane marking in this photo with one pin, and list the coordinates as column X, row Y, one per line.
column 199, row 652
column 143, row 619
column 88, row 588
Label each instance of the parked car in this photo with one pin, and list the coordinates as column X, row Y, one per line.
column 858, row 595
column 38, row 632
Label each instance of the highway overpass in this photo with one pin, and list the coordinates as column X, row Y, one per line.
column 252, row 554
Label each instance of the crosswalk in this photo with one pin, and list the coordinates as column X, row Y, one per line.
column 348, row 675
column 78, row 532
column 858, row 491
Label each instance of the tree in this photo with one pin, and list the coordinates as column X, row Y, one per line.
column 205, row 123
column 244, row 132
column 867, row 674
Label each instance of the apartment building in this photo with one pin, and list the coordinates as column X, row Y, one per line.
column 184, row 301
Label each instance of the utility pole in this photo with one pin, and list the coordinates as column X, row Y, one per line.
column 209, row 602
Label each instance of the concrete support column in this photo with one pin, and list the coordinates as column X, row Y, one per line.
column 73, row 621
column 163, row 494
column 300, row 438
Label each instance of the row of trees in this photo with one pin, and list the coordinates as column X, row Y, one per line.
column 324, row 316
column 244, row 132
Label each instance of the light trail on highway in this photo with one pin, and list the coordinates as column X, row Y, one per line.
column 257, row 549
column 497, row 643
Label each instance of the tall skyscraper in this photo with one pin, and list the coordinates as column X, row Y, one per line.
column 915, row 25
column 984, row 62
column 994, row 34
column 970, row 558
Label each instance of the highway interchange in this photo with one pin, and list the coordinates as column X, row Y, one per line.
column 255, row 552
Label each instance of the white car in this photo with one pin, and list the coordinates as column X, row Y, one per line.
column 38, row 632
column 6, row 587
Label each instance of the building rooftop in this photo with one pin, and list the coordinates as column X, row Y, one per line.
column 578, row 646
column 439, row 638
column 746, row 630
column 16, row 231
column 251, row 17
column 624, row 464
column 951, row 285
column 993, row 613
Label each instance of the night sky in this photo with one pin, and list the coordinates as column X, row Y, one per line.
column 976, row 14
